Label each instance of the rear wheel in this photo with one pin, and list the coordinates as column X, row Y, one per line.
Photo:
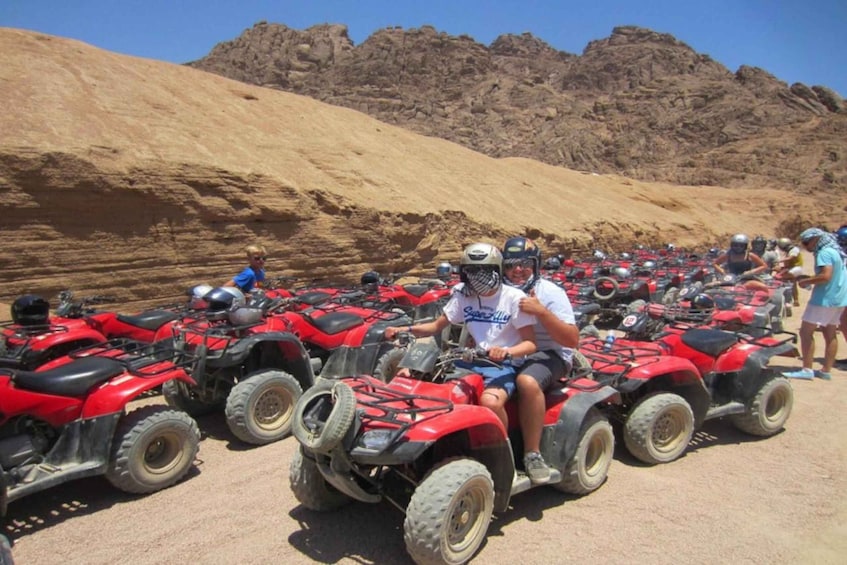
column 769, row 409
column 260, row 408
column 659, row 428
column 184, row 397
column 589, row 466
column 309, row 486
column 153, row 448
column 448, row 516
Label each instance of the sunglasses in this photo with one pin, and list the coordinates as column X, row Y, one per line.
column 472, row 269
column 260, row 258
column 522, row 263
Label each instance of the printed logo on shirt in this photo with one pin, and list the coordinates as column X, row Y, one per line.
column 487, row 315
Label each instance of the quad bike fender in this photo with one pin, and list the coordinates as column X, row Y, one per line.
column 295, row 355
column 559, row 440
column 481, row 425
column 752, row 371
column 82, row 335
column 670, row 374
column 85, row 443
column 735, row 358
column 114, row 394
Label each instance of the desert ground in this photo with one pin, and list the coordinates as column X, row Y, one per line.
column 730, row 499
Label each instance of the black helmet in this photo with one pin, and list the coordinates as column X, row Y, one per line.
column 219, row 302
column 519, row 249
column 30, row 310
column 703, row 302
column 370, row 281
column 552, row 264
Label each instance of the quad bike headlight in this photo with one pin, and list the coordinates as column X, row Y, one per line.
column 376, row 440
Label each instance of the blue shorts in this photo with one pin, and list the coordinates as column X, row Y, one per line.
column 494, row 377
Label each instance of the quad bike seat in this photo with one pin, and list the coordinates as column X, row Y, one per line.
column 416, row 290
column 149, row 320
column 314, row 297
column 710, row 342
column 74, row 379
column 335, row 322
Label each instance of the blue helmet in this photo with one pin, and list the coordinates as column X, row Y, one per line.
column 841, row 236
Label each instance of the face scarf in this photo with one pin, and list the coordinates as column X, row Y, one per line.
column 825, row 239
column 483, row 281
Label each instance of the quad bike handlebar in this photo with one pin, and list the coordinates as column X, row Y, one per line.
column 70, row 308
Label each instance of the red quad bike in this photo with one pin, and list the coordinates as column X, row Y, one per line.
column 34, row 338
column 37, row 338
column 688, row 375
column 249, row 364
column 349, row 320
column 426, row 445
column 69, row 420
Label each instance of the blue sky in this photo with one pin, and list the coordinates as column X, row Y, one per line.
column 797, row 41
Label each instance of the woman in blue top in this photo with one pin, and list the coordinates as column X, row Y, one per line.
column 254, row 274
column 829, row 297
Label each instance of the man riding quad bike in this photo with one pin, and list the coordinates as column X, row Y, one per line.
column 425, row 443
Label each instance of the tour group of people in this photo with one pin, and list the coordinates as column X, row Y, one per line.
column 526, row 321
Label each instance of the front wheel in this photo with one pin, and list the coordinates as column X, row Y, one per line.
column 448, row 516
column 659, row 428
column 260, row 409
column 153, row 448
column 769, row 409
column 309, row 486
column 589, row 466
column 388, row 365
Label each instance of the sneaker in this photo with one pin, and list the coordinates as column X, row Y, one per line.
column 806, row 374
column 824, row 376
column 536, row 469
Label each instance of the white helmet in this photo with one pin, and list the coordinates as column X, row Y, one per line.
column 196, row 294
column 481, row 267
column 245, row 315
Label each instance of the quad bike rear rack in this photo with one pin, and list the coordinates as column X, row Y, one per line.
column 611, row 367
column 140, row 359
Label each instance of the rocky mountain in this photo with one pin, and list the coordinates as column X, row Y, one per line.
column 138, row 178
column 638, row 103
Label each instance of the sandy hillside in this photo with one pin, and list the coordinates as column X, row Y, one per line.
column 139, row 178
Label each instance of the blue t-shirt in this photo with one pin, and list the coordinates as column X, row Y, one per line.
column 248, row 278
column 833, row 293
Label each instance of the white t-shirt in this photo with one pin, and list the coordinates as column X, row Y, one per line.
column 555, row 299
column 491, row 320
